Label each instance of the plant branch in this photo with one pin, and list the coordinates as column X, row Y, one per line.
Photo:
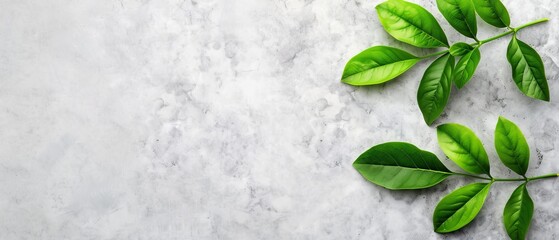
column 511, row 31
column 552, row 175
column 508, row 179
column 532, row 23
column 479, row 43
column 472, row 176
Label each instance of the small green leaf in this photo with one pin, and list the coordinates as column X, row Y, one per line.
column 460, row 207
column 461, row 15
column 463, row 147
column 518, row 213
column 397, row 165
column 493, row 12
column 466, row 67
column 377, row 65
column 460, row 49
column 511, row 146
column 412, row 24
column 434, row 88
column 528, row 70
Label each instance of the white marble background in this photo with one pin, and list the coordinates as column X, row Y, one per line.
column 226, row 119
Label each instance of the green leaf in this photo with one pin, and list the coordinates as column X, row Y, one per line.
column 518, row 213
column 397, row 165
column 412, row 24
column 377, row 65
column 460, row 49
column 511, row 146
column 466, row 67
column 463, row 147
column 460, row 207
column 493, row 12
column 461, row 15
column 528, row 70
column 434, row 88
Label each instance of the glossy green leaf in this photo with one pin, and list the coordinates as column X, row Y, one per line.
column 463, row 147
column 461, row 15
column 460, row 207
column 466, row 67
column 528, row 70
column 397, row 165
column 377, row 65
column 511, row 146
column 460, row 49
column 434, row 88
column 492, row 12
column 412, row 24
column 518, row 213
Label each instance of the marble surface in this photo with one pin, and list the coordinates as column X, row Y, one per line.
column 226, row 119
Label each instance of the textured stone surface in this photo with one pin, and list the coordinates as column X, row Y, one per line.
column 221, row 119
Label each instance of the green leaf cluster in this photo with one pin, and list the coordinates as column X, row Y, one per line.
column 399, row 166
column 412, row 24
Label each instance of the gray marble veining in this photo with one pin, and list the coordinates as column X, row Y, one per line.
column 226, row 119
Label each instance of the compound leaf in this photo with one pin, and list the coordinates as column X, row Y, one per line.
column 434, row 88
column 460, row 207
column 463, row 147
column 460, row 49
column 397, row 165
column 466, row 67
column 492, row 12
column 412, row 24
column 528, row 70
column 377, row 65
column 518, row 213
column 511, row 146
column 461, row 15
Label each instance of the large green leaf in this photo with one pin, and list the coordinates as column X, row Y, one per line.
column 412, row 24
column 518, row 213
column 460, row 207
column 377, row 65
column 493, row 12
column 463, row 147
column 434, row 88
column 466, row 67
column 460, row 49
column 461, row 15
column 511, row 146
column 528, row 70
column 397, row 165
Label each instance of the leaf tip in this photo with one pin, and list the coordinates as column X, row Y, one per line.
column 502, row 119
column 429, row 122
column 428, row 119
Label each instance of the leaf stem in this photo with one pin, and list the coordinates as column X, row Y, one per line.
column 472, row 176
column 479, row 43
column 531, row 23
column 493, row 38
column 552, row 175
column 511, row 31
column 508, row 179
